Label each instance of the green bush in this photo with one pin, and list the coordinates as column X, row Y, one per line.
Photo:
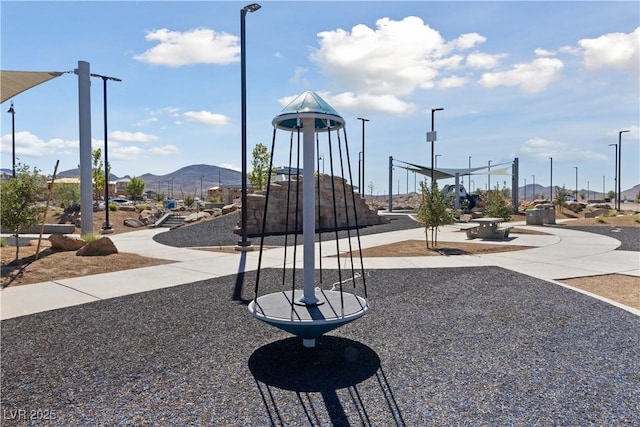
column 612, row 213
column 600, row 219
column 113, row 207
column 90, row 237
column 3, row 242
column 141, row 207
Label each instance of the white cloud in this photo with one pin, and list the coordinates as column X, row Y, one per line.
column 199, row 46
column 366, row 102
column 164, row 150
column 531, row 77
column 146, row 122
column 395, row 58
column 468, row 41
column 230, row 166
column 122, row 136
column 206, row 118
column 452, row 81
column 298, row 76
column 618, row 51
column 484, row 61
column 542, row 149
column 130, row 152
column 28, row 144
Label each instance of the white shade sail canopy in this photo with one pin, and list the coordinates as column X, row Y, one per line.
column 14, row 82
column 445, row 173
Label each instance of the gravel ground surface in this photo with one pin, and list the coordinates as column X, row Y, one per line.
column 466, row 346
column 219, row 232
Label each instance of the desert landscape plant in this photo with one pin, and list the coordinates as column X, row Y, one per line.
column 135, row 187
column 19, row 209
column 434, row 211
column 260, row 175
column 498, row 204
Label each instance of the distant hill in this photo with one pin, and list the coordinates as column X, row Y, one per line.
column 185, row 181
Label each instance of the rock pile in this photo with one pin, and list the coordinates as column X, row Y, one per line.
column 283, row 193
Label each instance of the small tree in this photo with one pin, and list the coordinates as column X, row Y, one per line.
column 260, row 174
column 611, row 194
column 97, row 173
column 433, row 211
column 66, row 193
column 135, row 187
column 189, row 200
column 561, row 197
column 498, row 204
column 18, row 197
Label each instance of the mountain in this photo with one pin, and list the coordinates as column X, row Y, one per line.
column 187, row 180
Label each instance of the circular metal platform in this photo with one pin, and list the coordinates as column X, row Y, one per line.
column 308, row 321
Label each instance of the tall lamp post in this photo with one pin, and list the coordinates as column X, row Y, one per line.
column 489, row 177
column 244, row 243
column 615, row 174
column 360, row 187
column 533, row 191
column 431, row 137
column 436, row 156
column 469, row 173
column 576, row 168
column 620, row 167
column 551, row 183
column 107, row 227
column 13, row 137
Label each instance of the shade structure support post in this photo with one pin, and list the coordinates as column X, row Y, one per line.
column 84, row 116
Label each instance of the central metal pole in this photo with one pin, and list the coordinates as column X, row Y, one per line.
column 308, row 212
column 13, row 138
column 361, row 187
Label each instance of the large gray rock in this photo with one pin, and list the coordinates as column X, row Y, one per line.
column 148, row 216
column 228, row 209
column 197, row 216
column 99, row 247
column 133, row 222
column 65, row 242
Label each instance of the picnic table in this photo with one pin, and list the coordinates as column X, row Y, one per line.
column 488, row 228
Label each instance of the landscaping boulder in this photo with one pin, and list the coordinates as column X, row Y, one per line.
column 133, row 222
column 197, row 216
column 228, row 209
column 148, row 216
column 99, row 247
column 66, row 242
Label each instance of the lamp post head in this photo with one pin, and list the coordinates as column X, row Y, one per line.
column 251, row 7
column 437, row 109
column 623, row 131
column 11, row 110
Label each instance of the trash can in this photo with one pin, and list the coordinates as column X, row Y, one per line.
column 549, row 216
column 535, row 216
column 170, row 204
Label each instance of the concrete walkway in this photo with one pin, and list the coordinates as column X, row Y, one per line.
column 563, row 253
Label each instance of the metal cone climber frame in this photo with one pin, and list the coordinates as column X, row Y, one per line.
column 313, row 310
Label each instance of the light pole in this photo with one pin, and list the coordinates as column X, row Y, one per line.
column 431, row 137
column 620, row 167
column 534, row 187
column 576, row 168
column 525, row 189
column 13, row 137
column 469, row 172
column 321, row 157
column 359, row 187
column 489, row 177
column 551, row 183
column 243, row 244
column 437, row 155
column 107, row 227
column 615, row 174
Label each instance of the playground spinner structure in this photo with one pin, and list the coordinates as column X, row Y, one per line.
column 326, row 296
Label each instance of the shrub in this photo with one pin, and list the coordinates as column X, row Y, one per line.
column 90, row 237
column 600, row 219
column 141, row 207
column 3, row 242
column 612, row 213
column 113, row 207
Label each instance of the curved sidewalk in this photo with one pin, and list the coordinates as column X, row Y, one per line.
column 562, row 254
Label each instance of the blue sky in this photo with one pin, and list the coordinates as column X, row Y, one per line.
column 531, row 80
